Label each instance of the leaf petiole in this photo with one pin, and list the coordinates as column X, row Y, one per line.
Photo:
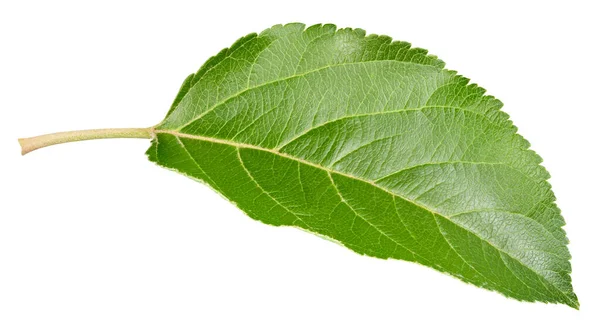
column 41, row 141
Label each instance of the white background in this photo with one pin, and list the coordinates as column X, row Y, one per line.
column 95, row 240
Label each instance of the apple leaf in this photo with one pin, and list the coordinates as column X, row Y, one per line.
column 373, row 144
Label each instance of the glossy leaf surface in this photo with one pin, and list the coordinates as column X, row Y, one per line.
column 373, row 144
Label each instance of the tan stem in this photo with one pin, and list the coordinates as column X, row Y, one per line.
column 33, row 143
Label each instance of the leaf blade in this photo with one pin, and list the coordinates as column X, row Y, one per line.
column 309, row 116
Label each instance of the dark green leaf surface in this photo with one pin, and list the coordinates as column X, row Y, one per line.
column 373, row 144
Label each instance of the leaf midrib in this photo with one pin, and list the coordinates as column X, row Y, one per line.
column 238, row 145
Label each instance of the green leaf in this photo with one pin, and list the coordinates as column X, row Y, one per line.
column 373, row 144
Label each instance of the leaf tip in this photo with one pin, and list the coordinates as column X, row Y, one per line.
column 574, row 303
